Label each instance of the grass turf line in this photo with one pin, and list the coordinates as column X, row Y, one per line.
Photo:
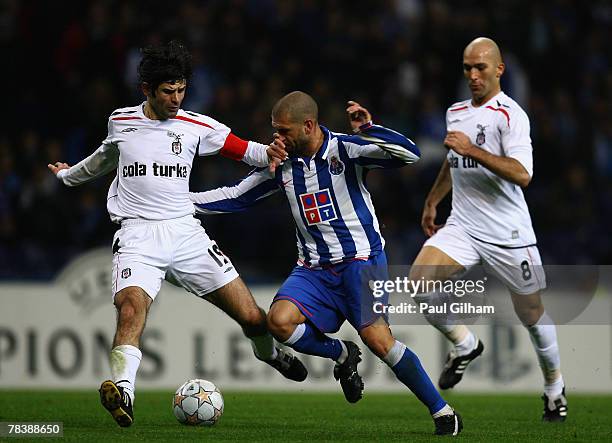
column 313, row 417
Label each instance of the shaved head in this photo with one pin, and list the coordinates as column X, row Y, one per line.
column 296, row 107
column 295, row 117
column 483, row 68
column 485, row 48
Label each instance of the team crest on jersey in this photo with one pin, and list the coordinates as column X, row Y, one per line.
column 318, row 207
column 336, row 167
column 176, row 144
column 126, row 273
column 480, row 137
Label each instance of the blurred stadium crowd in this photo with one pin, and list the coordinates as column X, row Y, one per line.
column 66, row 68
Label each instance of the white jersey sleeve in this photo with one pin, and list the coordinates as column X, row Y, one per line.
column 214, row 135
column 101, row 162
column 217, row 138
column 516, row 141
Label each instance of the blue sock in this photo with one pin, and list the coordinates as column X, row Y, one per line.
column 407, row 368
column 308, row 340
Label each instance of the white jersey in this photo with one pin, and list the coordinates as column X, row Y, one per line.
column 153, row 159
column 488, row 207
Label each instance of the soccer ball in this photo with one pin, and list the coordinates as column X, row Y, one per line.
column 198, row 403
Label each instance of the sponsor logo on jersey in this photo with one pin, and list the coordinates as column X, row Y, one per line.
column 480, row 137
column 126, row 273
column 130, row 130
column 336, row 167
column 318, row 207
column 159, row 170
column 466, row 162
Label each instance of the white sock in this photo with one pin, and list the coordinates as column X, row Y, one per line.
column 554, row 389
column 544, row 339
column 263, row 347
column 343, row 354
column 124, row 363
column 395, row 354
column 446, row 410
column 467, row 345
column 296, row 335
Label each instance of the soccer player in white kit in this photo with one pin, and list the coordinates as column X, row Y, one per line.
column 489, row 161
column 152, row 147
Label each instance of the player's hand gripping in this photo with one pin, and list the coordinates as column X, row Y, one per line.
column 277, row 154
column 358, row 115
column 458, row 142
column 57, row 167
column 428, row 220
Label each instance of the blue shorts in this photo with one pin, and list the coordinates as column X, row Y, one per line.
column 328, row 296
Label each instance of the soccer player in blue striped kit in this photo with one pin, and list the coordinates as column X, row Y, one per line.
column 340, row 246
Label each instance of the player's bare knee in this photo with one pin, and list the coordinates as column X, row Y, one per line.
column 379, row 347
column 530, row 316
column 279, row 323
column 130, row 312
column 378, row 340
column 528, row 308
column 424, row 273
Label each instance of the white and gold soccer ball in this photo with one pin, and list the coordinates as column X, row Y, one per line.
column 198, row 403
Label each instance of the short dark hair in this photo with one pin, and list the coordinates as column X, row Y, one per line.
column 296, row 106
column 166, row 63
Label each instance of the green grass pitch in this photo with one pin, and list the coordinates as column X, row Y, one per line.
column 313, row 417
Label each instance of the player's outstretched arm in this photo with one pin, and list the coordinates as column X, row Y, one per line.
column 507, row 168
column 439, row 190
column 253, row 153
column 256, row 186
column 101, row 162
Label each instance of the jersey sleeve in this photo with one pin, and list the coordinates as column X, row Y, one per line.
column 218, row 139
column 379, row 147
column 516, row 141
column 213, row 137
column 257, row 185
column 101, row 162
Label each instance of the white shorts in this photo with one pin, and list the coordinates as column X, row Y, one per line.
column 519, row 269
column 145, row 252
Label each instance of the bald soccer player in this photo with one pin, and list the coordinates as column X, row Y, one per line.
column 340, row 246
column 489, row 160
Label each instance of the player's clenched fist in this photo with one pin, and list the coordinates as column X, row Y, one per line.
column 458, row 142
column 358, row 115
column 276, row 149
column 276, row 153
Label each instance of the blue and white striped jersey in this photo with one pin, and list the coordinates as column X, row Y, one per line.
column 332, row 208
